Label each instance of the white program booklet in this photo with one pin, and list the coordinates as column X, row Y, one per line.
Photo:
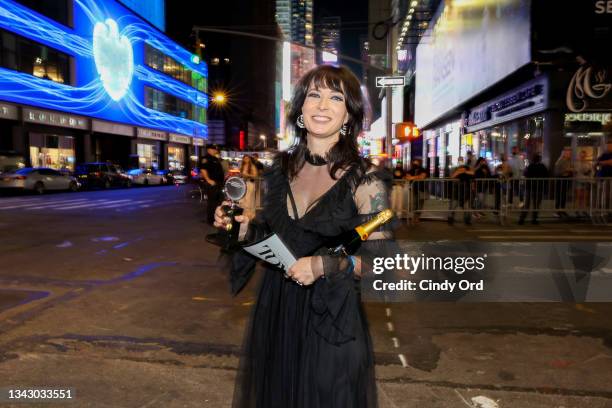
column 272, row 250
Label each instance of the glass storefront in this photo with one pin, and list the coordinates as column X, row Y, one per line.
column 148, row 156
column 491, row 143
column 53, row 151
column 587, row 132
column 176, row 158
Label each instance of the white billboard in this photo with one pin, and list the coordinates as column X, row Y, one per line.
column 471, row 46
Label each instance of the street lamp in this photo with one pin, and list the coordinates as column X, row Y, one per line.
column 219, row 98
column 264, row 140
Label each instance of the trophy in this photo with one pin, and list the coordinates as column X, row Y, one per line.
column 235, row 188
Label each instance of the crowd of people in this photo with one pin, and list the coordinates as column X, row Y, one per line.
column 519, row 181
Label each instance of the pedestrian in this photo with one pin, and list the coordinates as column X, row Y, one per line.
column 563, row 171
column 398, row 190
column 308, row 344
column 604, row 182
column 517, row 164
column 212, row 177
column 503, row 173
column 535, row 185
column 258, row 164
column 461, row 193
column 249, row 173
column 482, row 176
column 584, row 175
column 416, row 176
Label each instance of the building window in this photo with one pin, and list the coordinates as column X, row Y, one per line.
column 59, row 11
column 168, row 65
column 23, row 55
column 163, row 102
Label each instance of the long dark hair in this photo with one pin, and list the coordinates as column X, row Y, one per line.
column 345, row 152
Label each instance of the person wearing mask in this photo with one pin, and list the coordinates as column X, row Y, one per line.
column 534, row 188
column 416, row 175
column 563, row 171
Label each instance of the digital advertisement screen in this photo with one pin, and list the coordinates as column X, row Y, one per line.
column 107, row 44
column 471, row 46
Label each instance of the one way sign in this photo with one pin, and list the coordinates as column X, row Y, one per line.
column 384, row 82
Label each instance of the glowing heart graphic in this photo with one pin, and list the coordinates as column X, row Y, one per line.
column 114, row 58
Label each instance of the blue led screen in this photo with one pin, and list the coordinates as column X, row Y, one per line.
column 151, row 10
column 107, row 43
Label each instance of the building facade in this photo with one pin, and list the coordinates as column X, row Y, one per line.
column 295, row 18
column 491, row 77
column 90, row 80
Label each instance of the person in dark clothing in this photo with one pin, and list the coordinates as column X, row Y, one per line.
column 563, row 171
column 461, row 193
column 416, row 175
column 604, row 182
column 258, row 164
column 535, row 188
column 482, row 172
column 212, row 176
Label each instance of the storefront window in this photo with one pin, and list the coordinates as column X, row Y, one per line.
column 176, row 158
column 53, row 151
column 147, row 156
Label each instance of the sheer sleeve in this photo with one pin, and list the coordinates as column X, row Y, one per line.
column 337, row 295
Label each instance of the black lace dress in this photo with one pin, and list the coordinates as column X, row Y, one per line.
column 306, row 346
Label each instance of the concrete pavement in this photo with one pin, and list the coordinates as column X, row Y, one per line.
column 131, row 309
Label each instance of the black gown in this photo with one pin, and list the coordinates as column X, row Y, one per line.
column 306, row 346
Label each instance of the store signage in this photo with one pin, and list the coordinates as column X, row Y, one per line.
column 112, row 128
column 197, row 141
column 152, row 134
column 179, row 138
column 526, row 100
column 587, row 87
column 389, row 81
column 602, row 118
column 603, row 7
column 8, row 112
column 55, row 119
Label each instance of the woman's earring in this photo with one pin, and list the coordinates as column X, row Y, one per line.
column 344, row 130
column 300, row 122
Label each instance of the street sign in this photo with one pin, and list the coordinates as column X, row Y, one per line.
column 385, row 82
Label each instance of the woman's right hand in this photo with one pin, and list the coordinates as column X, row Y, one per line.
column 222, row 220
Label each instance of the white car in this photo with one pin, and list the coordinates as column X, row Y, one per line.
column 146, row 177
column 38, row 179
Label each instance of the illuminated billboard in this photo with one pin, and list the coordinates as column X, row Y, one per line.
column 107, row 44
column 154, row 11
column 471, row 46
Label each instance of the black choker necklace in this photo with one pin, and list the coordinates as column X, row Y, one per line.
column 314, row 159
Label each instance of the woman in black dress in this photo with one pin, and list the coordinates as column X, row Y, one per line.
column 308, row 344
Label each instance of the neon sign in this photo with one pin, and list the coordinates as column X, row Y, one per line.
column 107, row 44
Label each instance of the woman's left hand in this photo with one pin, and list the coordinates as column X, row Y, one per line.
column 303, row 272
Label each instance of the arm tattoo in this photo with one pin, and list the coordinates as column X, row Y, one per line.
column 377, row 202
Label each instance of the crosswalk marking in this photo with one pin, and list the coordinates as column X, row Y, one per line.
column 92, row 204
column 59, row 205
column 45, row 204
column 123, row 204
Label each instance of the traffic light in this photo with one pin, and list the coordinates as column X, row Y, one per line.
column 406, row 132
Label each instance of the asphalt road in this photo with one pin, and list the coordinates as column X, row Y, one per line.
column 116, row 295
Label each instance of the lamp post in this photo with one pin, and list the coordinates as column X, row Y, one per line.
column 264, row 140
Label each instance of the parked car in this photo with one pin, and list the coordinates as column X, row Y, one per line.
column 174, row 176
column 146, row 177
column 10, row 161
column 38, row 179
column 104, row 175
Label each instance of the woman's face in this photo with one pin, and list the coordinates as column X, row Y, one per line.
column 324, row 111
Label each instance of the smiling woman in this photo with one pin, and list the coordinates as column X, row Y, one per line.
column 308, row 344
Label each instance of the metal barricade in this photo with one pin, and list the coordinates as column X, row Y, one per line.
column 505, row 200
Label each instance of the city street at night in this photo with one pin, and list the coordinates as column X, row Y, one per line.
column 117, row 296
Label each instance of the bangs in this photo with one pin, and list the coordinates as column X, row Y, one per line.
column 327, row 78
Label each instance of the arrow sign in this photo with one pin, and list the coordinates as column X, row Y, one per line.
column 384, row 82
